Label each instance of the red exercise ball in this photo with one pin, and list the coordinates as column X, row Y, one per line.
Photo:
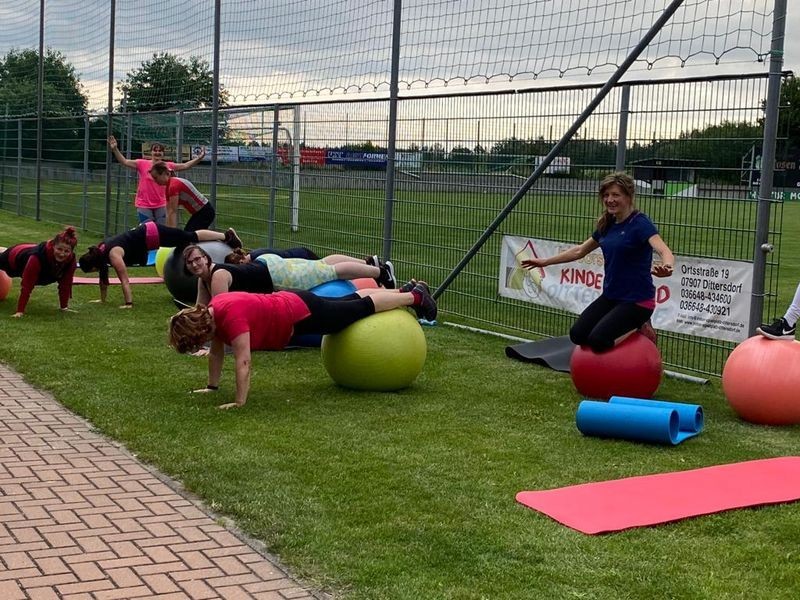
column 5, row 285
column 631, row 368
column 761, row 381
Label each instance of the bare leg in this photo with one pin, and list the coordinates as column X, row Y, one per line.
column 353, row 270
column 335, row 259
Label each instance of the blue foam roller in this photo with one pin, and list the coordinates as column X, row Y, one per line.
column 602, row 419
column 334, row 289
column 690, row 416
column 151, row 257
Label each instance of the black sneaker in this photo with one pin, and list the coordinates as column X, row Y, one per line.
column 408, row 286
column 232, row 239
column 426, row 309
column 387, row 278
column 779, row 330
column 373, row 261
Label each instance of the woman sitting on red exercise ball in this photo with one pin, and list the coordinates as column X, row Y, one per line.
column 627, row 238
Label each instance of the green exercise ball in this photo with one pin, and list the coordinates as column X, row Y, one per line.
column 162, row 254
column 383, row 352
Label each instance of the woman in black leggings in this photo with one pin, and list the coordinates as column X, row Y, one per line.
column 131, row 248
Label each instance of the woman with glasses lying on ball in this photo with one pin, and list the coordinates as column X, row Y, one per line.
column 270, row 272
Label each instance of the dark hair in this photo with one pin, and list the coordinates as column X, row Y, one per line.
column 93, row 259
column 67, row 236
column 237, row 257
column 155, row 145
column 160, row 168
column 188, row 250
column 626, row 183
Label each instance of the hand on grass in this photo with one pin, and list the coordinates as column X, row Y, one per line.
column 227, row 406
column 204, row 390
column 96, row 301
column 126, row 306
column 68, row 309
column 17, row 315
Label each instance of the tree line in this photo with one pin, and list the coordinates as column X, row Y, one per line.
column 168, row 83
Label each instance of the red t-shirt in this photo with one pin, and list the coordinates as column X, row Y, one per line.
column 269, row 318
column 188, row 196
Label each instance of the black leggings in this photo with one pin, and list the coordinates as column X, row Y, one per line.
column 202, row 219
column 331, row 315
column 172, row 237
column 605, row 320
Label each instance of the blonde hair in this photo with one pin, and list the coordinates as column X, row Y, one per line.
column 626, row 184
column 191, row 328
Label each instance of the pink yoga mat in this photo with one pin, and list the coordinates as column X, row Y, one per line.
column 115, row 280
column 652, row 499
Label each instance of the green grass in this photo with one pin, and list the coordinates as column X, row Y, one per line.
column 405, row 495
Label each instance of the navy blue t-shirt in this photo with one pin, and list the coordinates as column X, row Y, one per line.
column 628, row 259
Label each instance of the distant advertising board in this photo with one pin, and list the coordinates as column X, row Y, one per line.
column 364, row 160
column 704, row 297
column 254, row 154
column 409, row 161
column 225, row 154
column 559, row 166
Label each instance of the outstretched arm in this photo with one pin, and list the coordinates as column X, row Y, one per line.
column 112, row 143
column 190, row 163
column 667, row 259
column 569, row 255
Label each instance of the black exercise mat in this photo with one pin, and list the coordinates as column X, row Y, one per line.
column 552, row 352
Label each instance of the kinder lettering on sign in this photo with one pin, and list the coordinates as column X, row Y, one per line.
column 704, row 297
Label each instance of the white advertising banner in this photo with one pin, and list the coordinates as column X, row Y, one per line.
column 704, row 297
column 224, row 153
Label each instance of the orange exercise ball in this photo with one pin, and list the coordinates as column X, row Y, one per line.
column 5, row 285
column 761, row 381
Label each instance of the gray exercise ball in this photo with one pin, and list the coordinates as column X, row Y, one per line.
column 182, row 285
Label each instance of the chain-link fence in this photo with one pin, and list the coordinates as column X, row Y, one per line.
column 360, row 152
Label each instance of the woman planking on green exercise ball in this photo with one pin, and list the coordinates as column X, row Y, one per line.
column 249, row 322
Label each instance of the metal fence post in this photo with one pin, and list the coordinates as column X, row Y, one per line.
column 110, row 113
column 179, row 137
column 85, row 210
column 388, row 213
column 215, row 104
column 273, row 175
column 296, row 170
column 622, row 136
column 19, row 167
column 762, row 246
column 40, row 114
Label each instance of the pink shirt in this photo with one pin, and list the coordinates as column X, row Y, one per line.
column 269, row 318
column 148, row 193
column 188, row 195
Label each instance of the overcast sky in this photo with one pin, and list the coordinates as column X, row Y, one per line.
column 299, row 45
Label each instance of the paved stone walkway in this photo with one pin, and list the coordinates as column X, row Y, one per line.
column 82, row 519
